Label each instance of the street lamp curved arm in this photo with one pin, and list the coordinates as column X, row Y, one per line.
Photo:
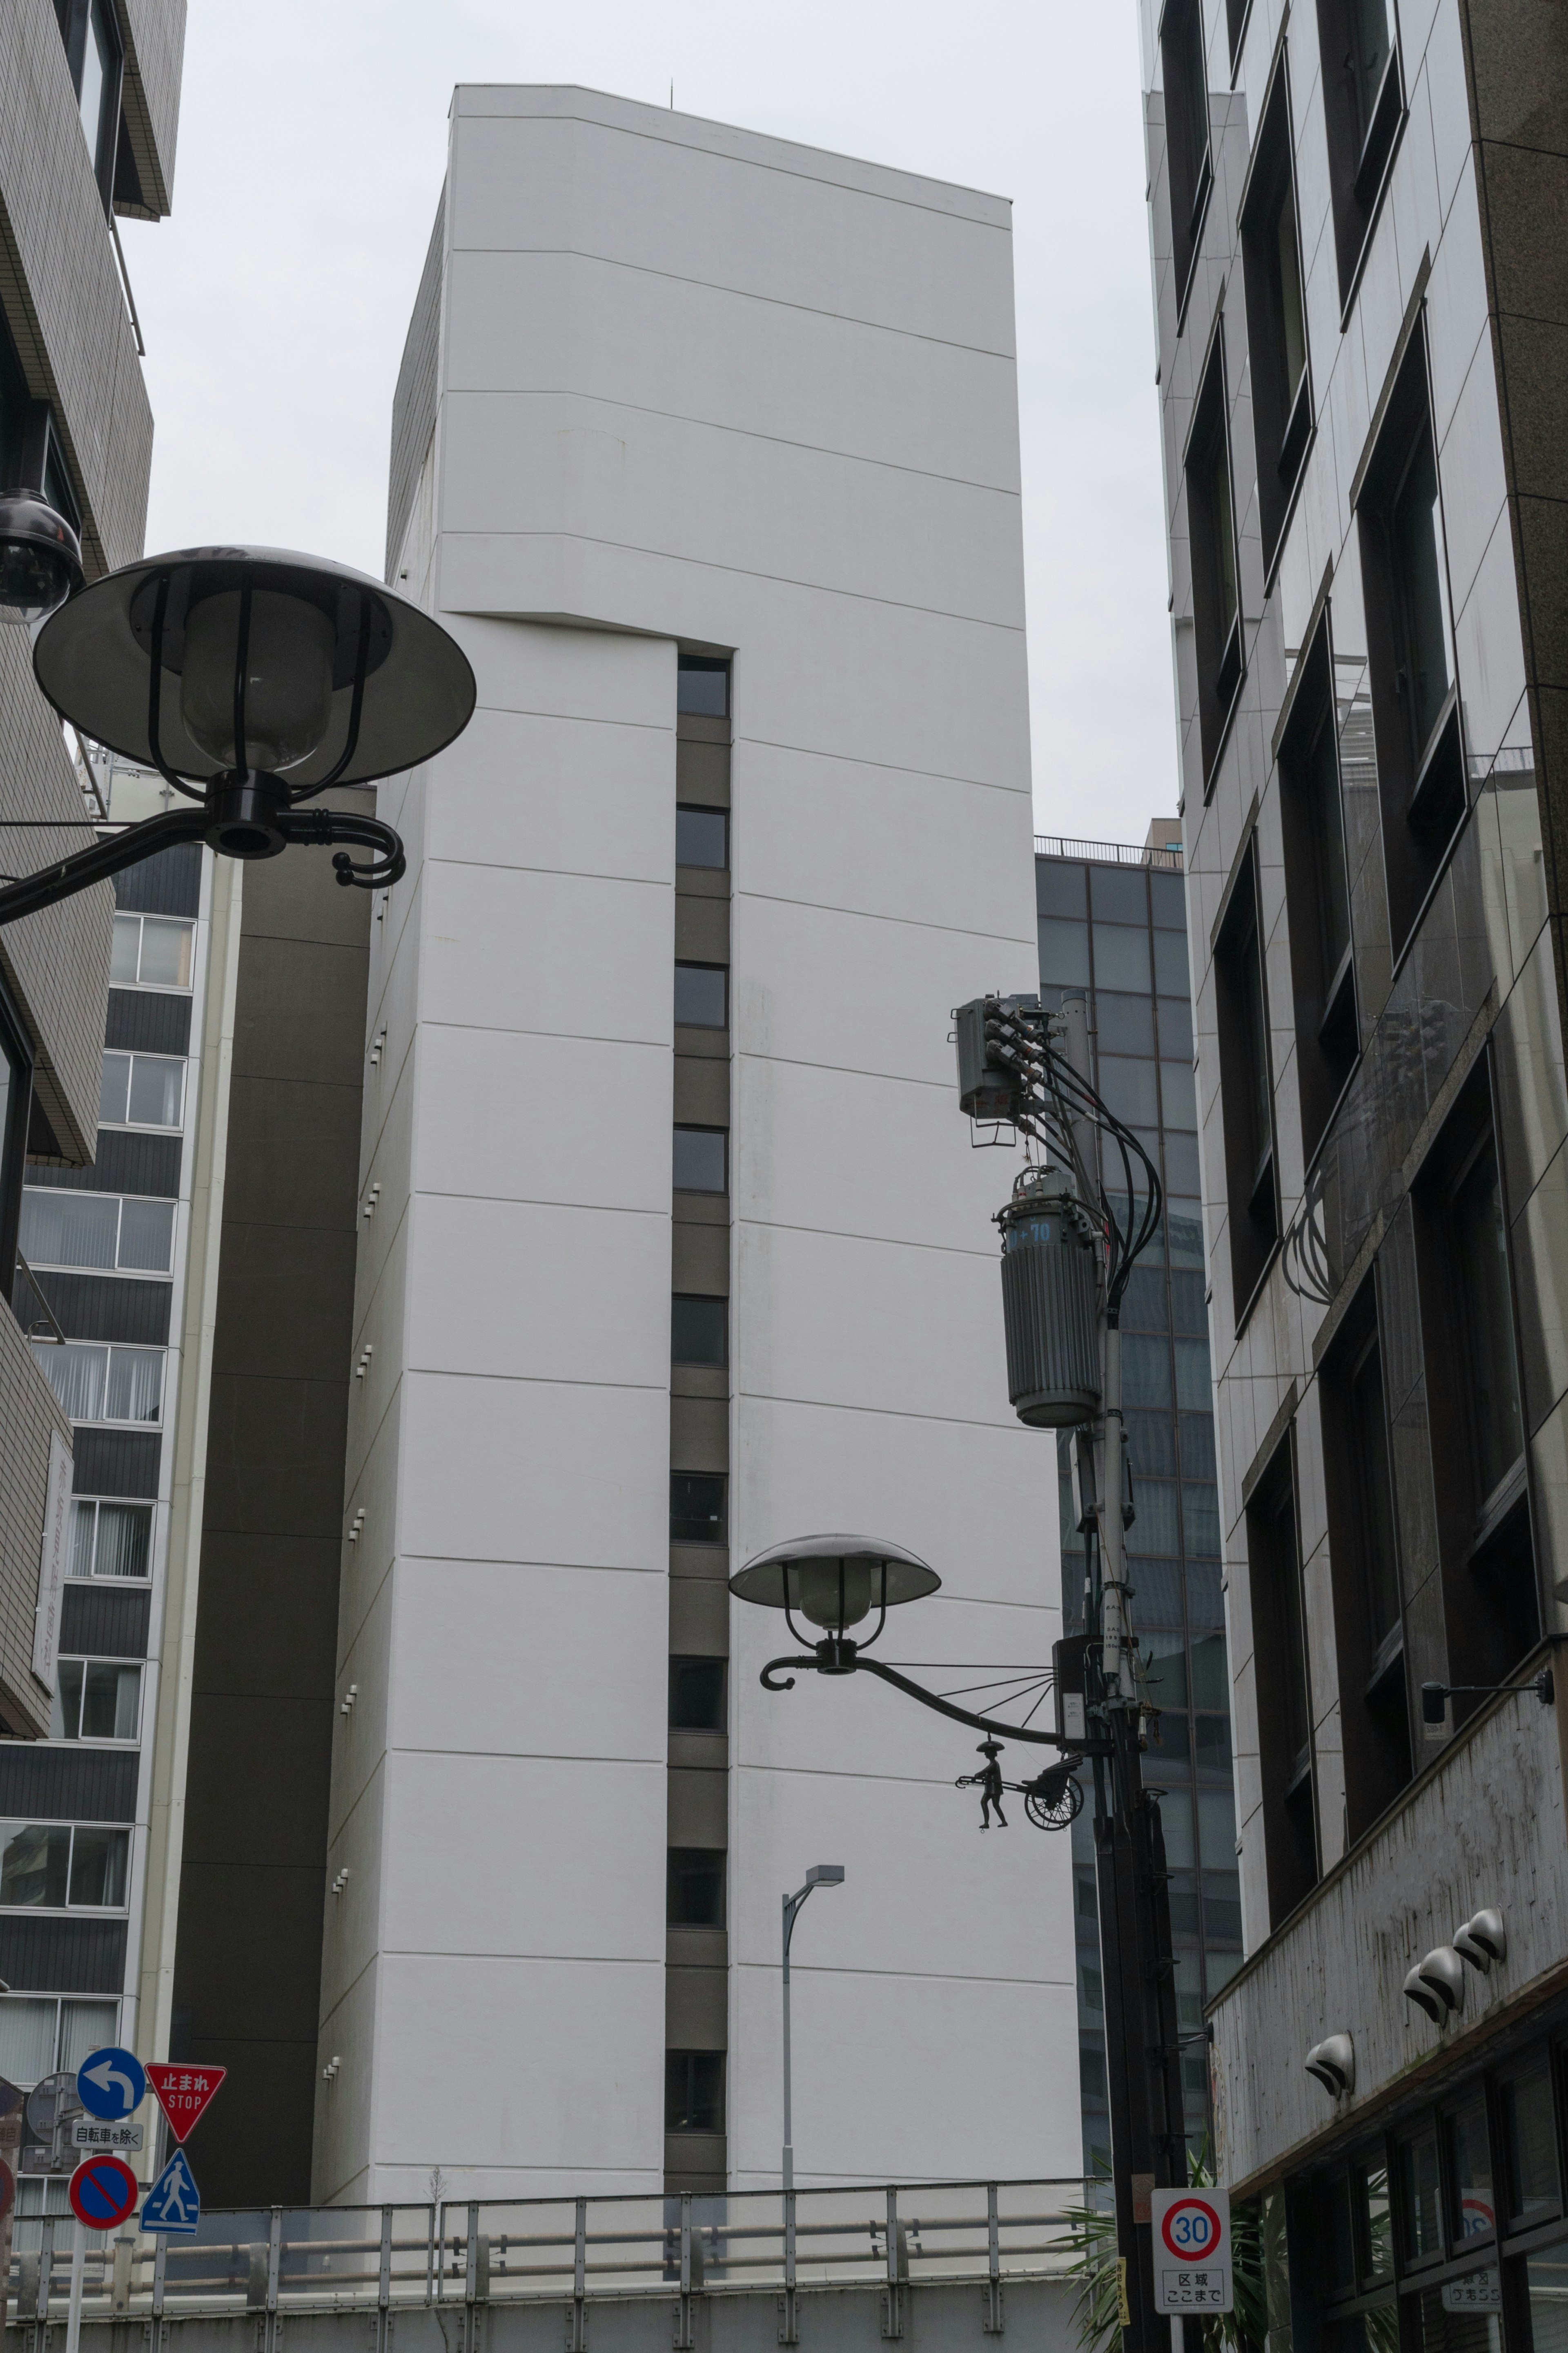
column 847, row 1660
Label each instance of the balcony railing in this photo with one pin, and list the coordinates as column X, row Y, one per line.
column 1109, row 853
column 576, row 2250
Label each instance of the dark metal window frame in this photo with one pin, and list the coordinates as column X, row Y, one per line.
column 1219, row 648
column 74, row 17
column 1283, row 427
column 1289, row 1779
column 1326, row 1008
column 17, row 1049
column 1476, row 1532
column 1421, row 793
column 1361, row 158
column 1251, row 1161
column 1189, row 177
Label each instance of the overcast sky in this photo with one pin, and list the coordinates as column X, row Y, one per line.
column 313, row 143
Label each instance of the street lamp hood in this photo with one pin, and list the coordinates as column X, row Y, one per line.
column 40, row 557
column 834, row 1580
column 215, row 660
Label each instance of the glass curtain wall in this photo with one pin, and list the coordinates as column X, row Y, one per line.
column 1115, row 926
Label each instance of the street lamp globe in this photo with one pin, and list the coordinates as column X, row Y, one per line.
column 834, row 1582
column 252, row 678
column 40, row 558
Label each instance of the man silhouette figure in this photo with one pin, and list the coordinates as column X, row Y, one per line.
column 990, row 1782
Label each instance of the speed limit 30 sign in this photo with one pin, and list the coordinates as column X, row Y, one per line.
column 1191, row 2250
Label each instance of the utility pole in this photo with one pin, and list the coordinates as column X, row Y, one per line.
column 1021, row 1066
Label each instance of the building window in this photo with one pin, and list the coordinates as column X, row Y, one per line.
column 697, row 1507
column 96, row 1699
column 702, row 996
column 702, row 837
column 63, row 1866
column 697, row 1695
column 1317, row 894
column 1362, row 108
column 93, row 55
column 698, row 1331
column 1284, row 1692
column 1363, row 1556
column 1211, row 526
column 151, row 951
column 1246, row 1094
column 1415, row 704
column 94, row 1383
column 1491, row 1611
column 702, row 1160
column 16, row 1105
column 702, row 686
column 695, row 1887
column 109, row 1538
column 62, row 1227
column 1275, row 316
column 1189, row 163
column 40, row 2034
column 143, row 1091
column 694, row 2091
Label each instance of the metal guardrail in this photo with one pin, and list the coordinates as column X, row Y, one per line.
column 1109, row 853
column 572, row 2250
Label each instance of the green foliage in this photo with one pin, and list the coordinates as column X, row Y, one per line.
column 1091, row 2245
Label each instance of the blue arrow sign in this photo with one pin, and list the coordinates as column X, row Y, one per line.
column 174, row 2203
column 110, row 2083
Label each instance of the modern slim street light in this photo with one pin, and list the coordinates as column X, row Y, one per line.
column 821, row 1874
column 250, row 678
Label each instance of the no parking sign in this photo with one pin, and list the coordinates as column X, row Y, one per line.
column 1191, row 2250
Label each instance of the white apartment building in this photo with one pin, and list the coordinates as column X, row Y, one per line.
column 706, row 450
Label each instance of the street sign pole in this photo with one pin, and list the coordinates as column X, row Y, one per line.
column 73, row 2309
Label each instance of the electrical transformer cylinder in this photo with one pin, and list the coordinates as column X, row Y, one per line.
column 1050, row 1309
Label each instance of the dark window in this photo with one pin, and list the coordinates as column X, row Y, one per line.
column 697, row 1330
column 1247, row 1096
column 92, row 36
column 1284, row 1705
column 697, row 1507
column 1189, row 166
column 1211, row 523
column 696, row 1887
column 1362, row 105
column 31, row 456
column 1364, row 1564
column 697, row 1695
column 1472, row 2208
column 694, row 2091
column 702, row 837
column 1490, row 1608
column 1530, row 2144
column 1317, row 895
column 1420, row 2211
column 702, row 996
column 16, row 1103
column 701, row 1159
column 1415, row 707
column 1060, row 887
column 702, row 686
column 1276, row 317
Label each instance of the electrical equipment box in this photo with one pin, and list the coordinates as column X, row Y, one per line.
column 1049, row 1305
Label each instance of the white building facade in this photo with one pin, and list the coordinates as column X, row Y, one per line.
column 706, row 449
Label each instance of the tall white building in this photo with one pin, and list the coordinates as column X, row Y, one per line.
column 706, row 449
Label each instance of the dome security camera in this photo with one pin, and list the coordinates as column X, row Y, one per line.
column 1437, row 1984
column 1482, row 1940
column 1332, row 2062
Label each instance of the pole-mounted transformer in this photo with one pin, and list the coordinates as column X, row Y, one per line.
column 1049, row 1305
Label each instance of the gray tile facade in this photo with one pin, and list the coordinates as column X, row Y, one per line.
column 1434, row 309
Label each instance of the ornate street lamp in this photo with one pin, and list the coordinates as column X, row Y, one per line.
column 250, row 677
column 835, row 1582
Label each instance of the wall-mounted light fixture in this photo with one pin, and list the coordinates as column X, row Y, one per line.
column 1332, row 2062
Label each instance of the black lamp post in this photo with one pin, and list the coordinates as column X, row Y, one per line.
column 251, row 679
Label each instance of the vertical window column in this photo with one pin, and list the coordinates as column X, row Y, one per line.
column 696, row 1924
